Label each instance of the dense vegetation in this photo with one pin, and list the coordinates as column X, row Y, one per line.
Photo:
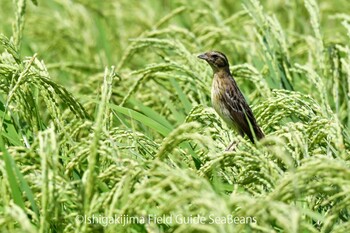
column 105, row 113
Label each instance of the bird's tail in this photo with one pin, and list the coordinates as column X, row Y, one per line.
column 258, row 134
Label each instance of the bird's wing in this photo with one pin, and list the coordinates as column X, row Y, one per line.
column 236, row 106
column 240, row 112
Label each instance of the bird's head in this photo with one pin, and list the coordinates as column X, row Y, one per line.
column 217, row 60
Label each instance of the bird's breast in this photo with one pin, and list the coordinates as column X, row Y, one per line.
column 217, row 99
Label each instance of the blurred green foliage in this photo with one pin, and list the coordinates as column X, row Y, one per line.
column 106, row 111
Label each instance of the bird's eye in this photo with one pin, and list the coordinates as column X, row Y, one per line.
column 215, row 56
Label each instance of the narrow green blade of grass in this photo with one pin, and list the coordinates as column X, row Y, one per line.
column 9, row 131
column 183, row 98
column 151, row 113
column 102, row 39
column 179, row 116
column 195, row 157
column 142, row 119
column 25, row 187
column 9, row 165
column 11, row 135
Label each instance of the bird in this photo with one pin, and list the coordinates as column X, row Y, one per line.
column 228, row 100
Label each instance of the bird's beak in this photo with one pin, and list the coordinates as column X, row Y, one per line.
column 203, row 56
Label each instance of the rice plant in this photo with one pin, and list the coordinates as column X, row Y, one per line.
column 107, row 124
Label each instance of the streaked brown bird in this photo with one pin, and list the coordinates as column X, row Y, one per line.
column 227, row 100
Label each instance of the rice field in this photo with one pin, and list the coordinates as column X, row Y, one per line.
column 107, row 124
